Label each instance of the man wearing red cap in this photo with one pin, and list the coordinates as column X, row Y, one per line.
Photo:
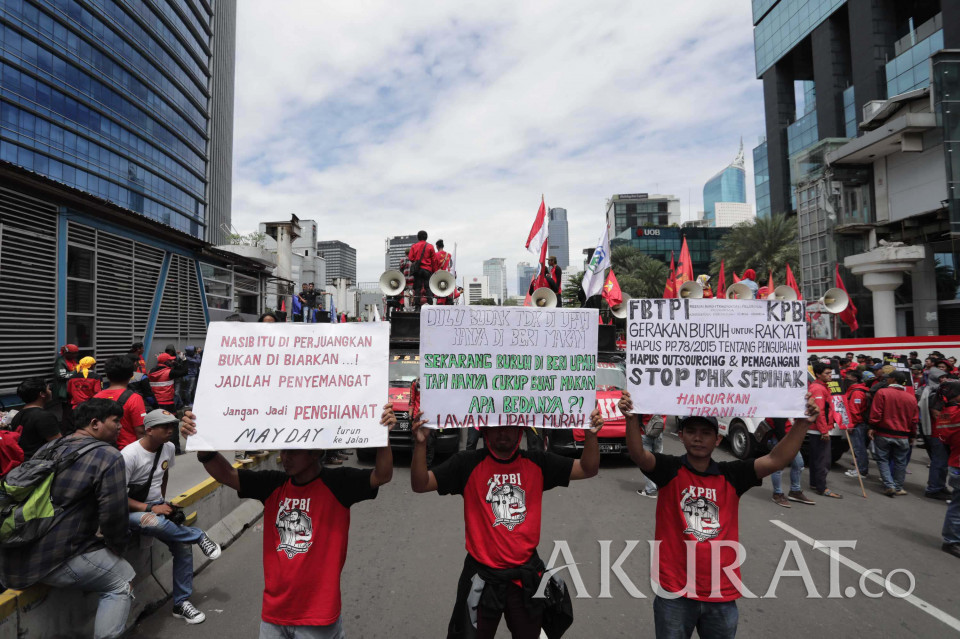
column 163, row 386
column 750, row 280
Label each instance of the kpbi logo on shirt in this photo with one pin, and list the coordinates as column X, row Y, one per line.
column 294, row 526
column 700, row 510
column 507, row 500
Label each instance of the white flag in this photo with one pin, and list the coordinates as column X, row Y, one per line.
column 376, row 313
column 595, row 274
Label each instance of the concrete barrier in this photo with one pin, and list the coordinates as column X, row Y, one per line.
column 47, row 613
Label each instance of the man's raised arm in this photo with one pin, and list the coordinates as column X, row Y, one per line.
column 383, row 468
column 214, row 463
column 589, row 462
column 422, row 479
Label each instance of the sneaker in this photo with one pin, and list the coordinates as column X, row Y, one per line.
column 940, row 495
column 797, row 495
column 890, row 492
column 953, row 549
column 902, row 492
column 188, row 613
column 853, row 474
column 780, row 500
column 652, row 494
column 241, row 457
column 209, row 547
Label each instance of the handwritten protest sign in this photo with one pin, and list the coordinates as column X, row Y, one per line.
column 722, row 358
column 491, row 366
column 278, row 386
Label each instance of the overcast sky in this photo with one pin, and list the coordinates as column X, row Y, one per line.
column 383, row 118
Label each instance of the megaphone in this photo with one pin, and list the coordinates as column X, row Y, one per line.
column 835, row 300
column 393, row 282
column 783, row 293
column 739, row 291
column 691, row 290
column 442, row 283
column 620, row 310
column 543, row 297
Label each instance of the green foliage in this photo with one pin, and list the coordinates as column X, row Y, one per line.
column 249, row 239
column 510, row 302
column 766, row 244
column 639, row 274
column 487, row 301
column 570, row 290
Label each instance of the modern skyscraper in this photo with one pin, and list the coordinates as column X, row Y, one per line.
column 220, row 167
column 558, row 242
column 525, row 273
column 495, row 271
column 729, row 185
column 630, row 210
column 396, row 248
column 341, row 260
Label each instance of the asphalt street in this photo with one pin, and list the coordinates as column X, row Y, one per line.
column 406, row 551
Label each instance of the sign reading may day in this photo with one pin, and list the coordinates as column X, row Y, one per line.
column 722, row 358
column 493, row 366
column 292, row 385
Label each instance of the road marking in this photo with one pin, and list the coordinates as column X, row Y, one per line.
column 930, row 609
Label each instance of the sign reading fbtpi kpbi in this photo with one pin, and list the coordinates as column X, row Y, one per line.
column 722, row 358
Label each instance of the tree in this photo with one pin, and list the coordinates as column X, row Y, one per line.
column 487, row 301
column 510, row 301
column 765, row 244
column 571, row 290
column 639, row 274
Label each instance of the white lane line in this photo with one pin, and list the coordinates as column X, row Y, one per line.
column 930, row 609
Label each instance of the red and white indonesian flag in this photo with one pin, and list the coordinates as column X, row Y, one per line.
column 538, row 233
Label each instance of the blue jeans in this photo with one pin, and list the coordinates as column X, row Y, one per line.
column 859, row 439
column 176, row 538
column 273, row 631
column 892, row 456
column 939, row 454
column 106, row 573
column 677, row 618
column 951, row 522
column 654, row 444
column 796, row 468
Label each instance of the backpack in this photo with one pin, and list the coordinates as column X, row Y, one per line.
column 27, row 510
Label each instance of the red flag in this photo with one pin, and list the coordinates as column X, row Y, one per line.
column 611, row 321
column 611, row 290
column 735, row 278
column 684, row 266
column 721, row 292
column 537, row 242
column 792, row 283
column 283, row 306
column 770, row 285
column 599, row 320
column 849, row 314
column 670, row 290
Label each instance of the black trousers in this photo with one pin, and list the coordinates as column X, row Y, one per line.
column 421, row 286
column 521, row 622
column 820, row 460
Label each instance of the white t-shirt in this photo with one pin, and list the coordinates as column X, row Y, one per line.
column 139, row 461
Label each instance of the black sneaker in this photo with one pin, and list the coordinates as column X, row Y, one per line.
column 941, row 495
column 953, row 549
column 209, row 547
column 188, row 613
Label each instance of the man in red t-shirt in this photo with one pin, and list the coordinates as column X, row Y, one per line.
column 306, row 515
column 502, row 488
column 422, row 259
column 698, row 504
column 119, row 372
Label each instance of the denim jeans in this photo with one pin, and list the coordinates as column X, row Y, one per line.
column 273, row 631
column 939, row 454
column 654, row 444
column 188, row 389
column 176, row 538
column 858, row 437
column 104, row 572
column 951, row 522
column 892, row 455
column 796, row 468
column 678, row 618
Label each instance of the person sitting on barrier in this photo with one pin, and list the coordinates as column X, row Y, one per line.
column 148, row 462
column 306, row 528
column 84, row 546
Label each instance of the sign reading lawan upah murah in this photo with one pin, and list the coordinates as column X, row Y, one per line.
column 292, row 385
column 494, row 366
column 721, row 358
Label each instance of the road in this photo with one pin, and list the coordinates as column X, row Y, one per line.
column 406, row 551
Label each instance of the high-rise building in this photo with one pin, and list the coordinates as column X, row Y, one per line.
column 477, row 289
column 558, row 242
column 630, row 210
column 495, row 271
column 859, row 128
column 525, row 273
column 730, row 213
column 729, row 185
column 663, row 242
column 341, row 260
column 396, row 248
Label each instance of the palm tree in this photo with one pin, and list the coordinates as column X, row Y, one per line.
column 639, row 274
column 571, row 289
column 765, row 244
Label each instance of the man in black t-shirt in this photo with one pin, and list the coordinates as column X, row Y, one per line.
column 38, row 426
column 502, row 489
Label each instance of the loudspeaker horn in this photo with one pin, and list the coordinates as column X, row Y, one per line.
column 691, row 290
column 393, row 282
column 442, row 283
column 835, row 300
column 620, row 310
column 783, row 293
column 739, row 291
column 543, row 297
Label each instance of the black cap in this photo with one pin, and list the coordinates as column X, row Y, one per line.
column 710, row 421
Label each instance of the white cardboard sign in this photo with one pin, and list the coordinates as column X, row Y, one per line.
column 291, row 385
column 721, row 358
column 496, row 366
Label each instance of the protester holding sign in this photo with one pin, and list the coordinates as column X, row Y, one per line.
column 502, row 488
column 307, row 525
column 699, row 505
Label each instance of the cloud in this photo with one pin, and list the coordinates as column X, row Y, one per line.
column 382, row 118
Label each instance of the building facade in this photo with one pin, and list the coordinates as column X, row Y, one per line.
column 630, row 210
column 395, row 249
column 476, row 289
column 525, row 273
column 837, row 76
column 558, row 236
column 729, row 185
column 665, row 241
column 727, row 214
column 495, row 270
column 341, row 259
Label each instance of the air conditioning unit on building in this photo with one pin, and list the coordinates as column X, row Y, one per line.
column 871, row 108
